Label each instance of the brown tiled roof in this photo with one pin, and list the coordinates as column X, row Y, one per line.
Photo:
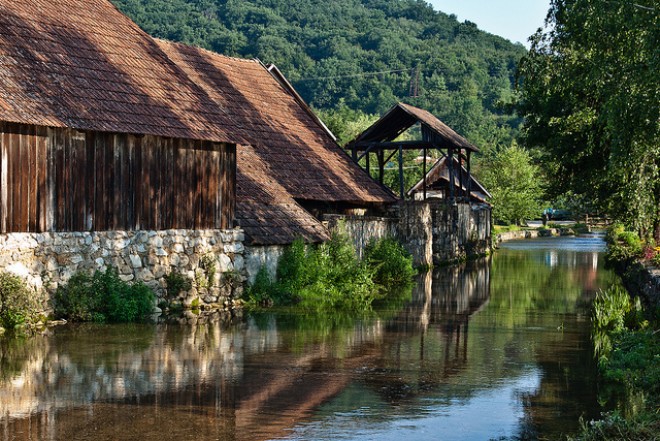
column 298, row 152
column 266, row 210
column 84, row 65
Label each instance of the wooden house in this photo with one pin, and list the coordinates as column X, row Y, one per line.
column 100, row 130
column 104, row 128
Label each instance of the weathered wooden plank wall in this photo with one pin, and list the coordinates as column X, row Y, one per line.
column 65, row 180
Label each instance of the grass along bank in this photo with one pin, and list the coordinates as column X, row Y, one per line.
column 626, row 337
column 626, row 343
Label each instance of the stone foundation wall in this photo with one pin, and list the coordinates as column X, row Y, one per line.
column 641, row 279
column 212, row 259
column 460, row 231
column 432, row 231
column 362, row 229
column 262, row 256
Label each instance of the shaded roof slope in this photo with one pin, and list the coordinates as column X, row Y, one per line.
column 296, row 149
column 401, row 117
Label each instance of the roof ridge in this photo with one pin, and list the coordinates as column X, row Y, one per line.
column 208, row 51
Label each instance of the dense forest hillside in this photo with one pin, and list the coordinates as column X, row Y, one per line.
column 345, row 56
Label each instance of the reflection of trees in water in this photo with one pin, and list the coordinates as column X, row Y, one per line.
column 464, row 329
column 542, row 297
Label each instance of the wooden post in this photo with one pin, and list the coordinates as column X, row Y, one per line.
column 424, row 174
column 450, row 158
column 367, row 163
column 469, row 177
column 381, row 165
column 401, row 172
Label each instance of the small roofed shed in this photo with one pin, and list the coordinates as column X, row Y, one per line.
column 436, row 183
column 380, row 140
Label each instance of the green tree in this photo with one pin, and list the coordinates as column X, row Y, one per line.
column 590, row 93
column 515, row 183
column 370, row 53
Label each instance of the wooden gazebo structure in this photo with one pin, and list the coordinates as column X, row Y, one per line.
column 380, row 140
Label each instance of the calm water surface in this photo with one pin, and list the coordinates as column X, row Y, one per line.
column 493, row 349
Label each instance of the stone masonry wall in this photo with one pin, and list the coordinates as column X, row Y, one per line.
column 48, row 260
column 415, row 231
column 262, row 256
column 432, row 231
column 362, row 229
column 460, row 231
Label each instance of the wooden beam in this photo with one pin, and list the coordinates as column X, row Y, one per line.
column 450, row 168
column 381, row 165
column 469, row 173
column 401, row 172
column 424, row 173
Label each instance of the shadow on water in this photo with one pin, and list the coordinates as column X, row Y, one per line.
column 488, row 349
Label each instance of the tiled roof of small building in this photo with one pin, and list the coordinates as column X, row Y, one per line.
column 403, row 116
column 84, row 65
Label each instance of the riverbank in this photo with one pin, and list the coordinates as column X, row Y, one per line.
column 532, row 234
column 625, row 336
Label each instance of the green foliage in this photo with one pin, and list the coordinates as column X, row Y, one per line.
column 515, row 183
column 392, row 263
column 102, row 297
column 623, row 246
column 176, row 283
column 344, row 122
column 330, row 277
column 262, row 290
column 628, row 351
column 362, row 52
column 208, row 266
column 589, row 92
column 17, row 302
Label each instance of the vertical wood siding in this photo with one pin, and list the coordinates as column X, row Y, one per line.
column 65, row 180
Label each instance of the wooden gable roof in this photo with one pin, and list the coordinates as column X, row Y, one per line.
column 82, row 64
column 401, row 117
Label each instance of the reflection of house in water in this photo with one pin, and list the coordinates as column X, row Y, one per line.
column 438, row 315
column 256, row 380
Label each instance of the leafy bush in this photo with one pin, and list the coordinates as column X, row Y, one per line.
column 392, row 263
column 17, row 302
column 632, row 241
column 628, row 360
column 262, row 289
column 103, row 297
column 331, row 277
column 176, row 283
column 613, row 232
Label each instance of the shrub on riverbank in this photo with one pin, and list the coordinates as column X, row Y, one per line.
column 628, row 351
column 17, row 302
column 331, row 277
column 103, row 297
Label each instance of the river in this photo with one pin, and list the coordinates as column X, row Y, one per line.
column 493, row 349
